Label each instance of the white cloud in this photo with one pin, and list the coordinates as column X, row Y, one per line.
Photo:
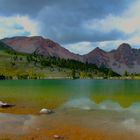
column 17, row 26
column 128, row 23
column 80, row 48
column 85, row 47
column 109, row 45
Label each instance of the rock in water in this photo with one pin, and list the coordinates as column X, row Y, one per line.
column 57, row 137
column 5, row 105
column 45, row 111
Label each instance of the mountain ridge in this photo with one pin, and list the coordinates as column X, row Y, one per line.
column 119, row 60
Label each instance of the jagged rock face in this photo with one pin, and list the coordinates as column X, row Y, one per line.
column 119, row 60
column 125, row 58
column 98, row 57
column 125, row 55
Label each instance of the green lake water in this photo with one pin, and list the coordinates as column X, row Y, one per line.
column 111, row 105
column 54, row 93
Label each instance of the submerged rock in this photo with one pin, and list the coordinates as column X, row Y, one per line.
column 58, row 137
column 45, row 111
column 5, row 105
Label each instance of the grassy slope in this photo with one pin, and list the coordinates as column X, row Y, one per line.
column 15, row 67
column 11, row 67
column 22, row 66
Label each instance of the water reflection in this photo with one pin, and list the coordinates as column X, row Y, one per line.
column 16, row 124
column 86, row 103
column 107, row 115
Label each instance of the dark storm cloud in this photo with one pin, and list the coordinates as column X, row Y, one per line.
column 86, row 8
column 30, row 7
column 62, row 20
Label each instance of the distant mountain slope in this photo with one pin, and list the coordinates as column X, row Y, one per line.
column 4, row 47
column 19, row 65
column 119, row 60
column 98, row 57
column 40, row 46
column 125, row 58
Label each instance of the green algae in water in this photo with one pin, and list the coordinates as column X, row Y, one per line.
column 54, row 93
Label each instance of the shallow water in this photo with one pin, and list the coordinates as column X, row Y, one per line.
column 55, row 92
column 108, row 105
column 100, row 119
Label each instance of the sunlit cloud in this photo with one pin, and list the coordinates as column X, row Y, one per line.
column 128, row 22
column 17, row 26
column 80, row 48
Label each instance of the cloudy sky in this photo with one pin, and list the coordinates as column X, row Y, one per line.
column 78, row 25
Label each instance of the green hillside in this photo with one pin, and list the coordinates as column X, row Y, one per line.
column 14, row 65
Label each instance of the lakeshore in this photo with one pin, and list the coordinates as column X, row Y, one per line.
column 83, row 109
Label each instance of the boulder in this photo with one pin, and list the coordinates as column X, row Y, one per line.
column 58, row 137
column 5, row 105
column 45, row 111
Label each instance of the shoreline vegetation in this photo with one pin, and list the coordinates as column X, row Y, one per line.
column 18, row 66
column 2, row 77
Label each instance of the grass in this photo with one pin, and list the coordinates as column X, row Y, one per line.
column 10, row 67
column 22, row 66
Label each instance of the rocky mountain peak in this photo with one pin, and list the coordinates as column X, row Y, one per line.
column 119, row 60
column 124, row 47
